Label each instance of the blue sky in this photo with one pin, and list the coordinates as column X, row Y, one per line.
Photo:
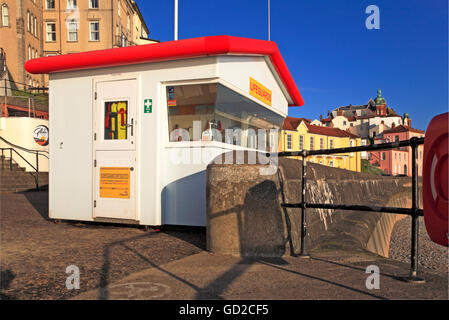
column 334, row 59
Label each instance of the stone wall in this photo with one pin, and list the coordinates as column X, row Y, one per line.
column 245, row 216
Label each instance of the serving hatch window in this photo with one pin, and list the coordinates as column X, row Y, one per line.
column 213, row 112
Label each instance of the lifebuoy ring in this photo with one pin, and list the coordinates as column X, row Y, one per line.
column 435, row 179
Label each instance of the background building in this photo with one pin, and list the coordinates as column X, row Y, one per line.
column 20, row 40
column 398, row 161
column 299, row 134
column 35, row 28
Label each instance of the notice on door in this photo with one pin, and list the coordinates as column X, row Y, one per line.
column 115, row 182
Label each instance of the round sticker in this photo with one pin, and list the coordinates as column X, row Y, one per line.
column 40, row 135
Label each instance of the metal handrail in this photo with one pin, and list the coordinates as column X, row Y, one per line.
column 13, row 149
column 414, row 211
column 24, row 149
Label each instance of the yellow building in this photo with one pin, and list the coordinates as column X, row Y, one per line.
column 298, row 134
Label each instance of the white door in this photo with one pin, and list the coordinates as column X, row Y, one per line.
column 115, row 149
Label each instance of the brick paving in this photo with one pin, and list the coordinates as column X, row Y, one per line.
column 35, row 252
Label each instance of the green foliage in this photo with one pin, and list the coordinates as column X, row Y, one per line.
column 369, row 168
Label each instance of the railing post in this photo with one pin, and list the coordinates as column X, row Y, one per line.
column 37, row 170
column 303, row 253
column 415, row 222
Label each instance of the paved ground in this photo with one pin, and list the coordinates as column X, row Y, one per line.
column 340, row 275
column 128, row 262
column 35, row 252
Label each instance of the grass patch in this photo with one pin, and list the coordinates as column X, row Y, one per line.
column 369, row 168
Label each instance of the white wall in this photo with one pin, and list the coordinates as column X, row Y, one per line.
column 19, row 131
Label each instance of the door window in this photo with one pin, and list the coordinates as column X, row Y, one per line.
column 115, row 120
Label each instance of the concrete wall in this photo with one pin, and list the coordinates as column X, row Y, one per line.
column 245, row 217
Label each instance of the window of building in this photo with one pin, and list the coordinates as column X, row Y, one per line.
column 35, row 26
column 123, row 40
column 29, row 53
column 289, row 141
column 383, row 156
column 212, row 112
column 321, row 143
column 331, row 163
column 94, row 31
column 344, row 123
column 351, row 124
column 331, row 143
column 32, row 53
column 50, row 28
column 71, row 4
column 118, row 8
column 301, row 142
column 311, row 143
column 72, row 28
column 93, row 4
column 399, row 156
column 50, row 4
column 31, row 23
column 28, row 21
column 5, row 15
column 396, row 138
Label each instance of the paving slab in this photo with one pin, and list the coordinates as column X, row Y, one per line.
column 336, row 275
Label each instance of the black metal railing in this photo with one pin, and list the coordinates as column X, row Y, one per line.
column 415, row 212
column 12, row 151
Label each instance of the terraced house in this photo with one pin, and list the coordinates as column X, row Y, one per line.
column 299, row 134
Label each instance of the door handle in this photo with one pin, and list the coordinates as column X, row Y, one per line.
column 131, row 126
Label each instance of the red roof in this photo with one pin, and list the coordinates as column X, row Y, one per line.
column 326, row 131
column 402, row 128
column 291, row 123
column 170, row 50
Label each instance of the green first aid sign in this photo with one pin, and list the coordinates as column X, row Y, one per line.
column 148, row 106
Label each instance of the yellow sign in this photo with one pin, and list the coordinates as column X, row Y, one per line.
column 115, row 182
column 258, row 91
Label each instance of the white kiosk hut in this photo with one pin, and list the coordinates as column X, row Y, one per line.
column 123, row 120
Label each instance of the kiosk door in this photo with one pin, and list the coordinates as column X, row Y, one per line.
column 115, row 149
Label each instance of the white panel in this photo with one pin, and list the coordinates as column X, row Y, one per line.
column 238, row 69
column 70, row 178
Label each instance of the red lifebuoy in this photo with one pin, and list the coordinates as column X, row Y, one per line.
column 435, row 179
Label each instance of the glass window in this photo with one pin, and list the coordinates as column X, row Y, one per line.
column 212, row 112
column 51, row 32
column 311, row 143
column 301, row 142
column 321, row 143
column 94, row 31
column 93, row 4
column 396, row 138
column 383, row 156
column 50, row 4
column 28, row 21
column 35, row 26
column 331, row 143
column 115, row 120
column 72, row 28
column 5, row 16
column 289, row 141
column 71, row 4
column 331, row 163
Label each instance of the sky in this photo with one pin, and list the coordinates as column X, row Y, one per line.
column 334, row 59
